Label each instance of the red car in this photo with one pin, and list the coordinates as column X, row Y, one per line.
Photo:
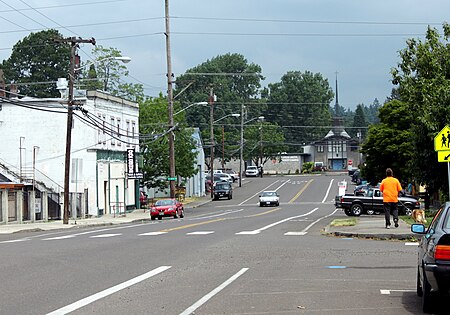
column 167, row 208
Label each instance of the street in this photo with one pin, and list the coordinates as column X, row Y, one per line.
column 225, row 257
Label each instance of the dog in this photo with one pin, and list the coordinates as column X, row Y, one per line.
column 419, row 216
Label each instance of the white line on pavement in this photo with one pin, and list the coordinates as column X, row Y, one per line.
column 216, row 215
column 412, row 244
column 328, row 191
column 152, row 233
column 105, row 235
column 275, row 223
column 58, row 237
column 97, row 296
column 309, row 226
column 15, row 241
column 200, row 233
column 387, row 292
column 295, row 233
column 204, row 299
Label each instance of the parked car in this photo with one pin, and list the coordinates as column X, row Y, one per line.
column 223, row 190
column 433, row 264
column 225, row 176
column 143, row 199
column 167, row 208
column 268, row 198
column 252, row 170
column 352, row 170
column 233, row 174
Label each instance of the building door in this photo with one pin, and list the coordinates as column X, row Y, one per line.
column 337, row 164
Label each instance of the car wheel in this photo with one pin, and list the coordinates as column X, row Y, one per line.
column 261, row 204
column 277, row 204
column 175, row 216
column 419, row 287
column 182, row 213
column 160, row 217
column 370, row 212
column 348, row 212
column 427, row 302
column 356, row 209
column 229, row 197
column 152, row 218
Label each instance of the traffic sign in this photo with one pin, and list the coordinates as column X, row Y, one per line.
column 444, row 156
column 171, row 178
column 442, row 140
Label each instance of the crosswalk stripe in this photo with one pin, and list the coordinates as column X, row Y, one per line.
column 105, row 235
column 200, row 233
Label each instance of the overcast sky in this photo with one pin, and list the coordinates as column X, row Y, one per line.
column 359, row 39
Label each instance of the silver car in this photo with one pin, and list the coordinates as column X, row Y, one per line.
column 268, row 198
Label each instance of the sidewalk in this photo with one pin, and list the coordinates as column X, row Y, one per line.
column 138, row 215
column 371, row 227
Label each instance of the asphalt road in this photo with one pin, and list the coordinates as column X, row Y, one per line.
column 226, row 257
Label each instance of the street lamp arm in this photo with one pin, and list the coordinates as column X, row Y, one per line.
column 198, row 103
column 234, row 115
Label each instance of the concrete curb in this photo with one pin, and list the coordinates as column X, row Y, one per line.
column 382, row 236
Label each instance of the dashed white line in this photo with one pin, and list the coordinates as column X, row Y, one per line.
column 387, row 292
column 295, row 233
column 104, row 235
column 203, row 300
column 97, row 296
column 200, row 233
column 152, row 233
column 412, row 244
column 58, row 238
column 15, row 241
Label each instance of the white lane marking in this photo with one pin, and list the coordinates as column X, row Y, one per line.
column 105, row 235
column 309, row 226
column 204, row 299
column 387, row 292
column 259, row 192
column 15, row 241
column 282, row 184
column 59, row 237
column 295, row 233
column 200, row 233
column 275, row 223
column 328, row 191
column 152, row 233
column 412, row 244
column 97, row 296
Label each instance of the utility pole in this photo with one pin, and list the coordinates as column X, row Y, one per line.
column 223, row 147
column 170, row 105
column 211, row 118
column 73, row 49
column 241, row 149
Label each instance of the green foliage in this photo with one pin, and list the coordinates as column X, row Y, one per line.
column 359, row 120
column 389, row 144
column 300, row 99
column 105, row 74
column 38, row 59
column 155, row 147
column 307, row 167
column 423, row 82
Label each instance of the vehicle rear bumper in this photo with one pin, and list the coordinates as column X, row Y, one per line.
column 438, row 276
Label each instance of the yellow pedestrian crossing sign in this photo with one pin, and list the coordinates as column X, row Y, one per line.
column 442, row 140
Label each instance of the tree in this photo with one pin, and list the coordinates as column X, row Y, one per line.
column 38, row 60
column 263, row 141
column 422, row 76
column 106, row 73
column 359, row 123
column 155, row 147
column 300, row 104
column 389, row 143
column 230, row 77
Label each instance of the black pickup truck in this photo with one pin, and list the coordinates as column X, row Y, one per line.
column 372, row 203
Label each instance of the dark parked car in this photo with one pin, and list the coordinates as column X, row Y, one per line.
column 223, row 190
column 433, row 265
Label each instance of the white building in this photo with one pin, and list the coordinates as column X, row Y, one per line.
column 33, row 138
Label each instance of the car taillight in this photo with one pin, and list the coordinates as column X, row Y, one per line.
column 442, row 252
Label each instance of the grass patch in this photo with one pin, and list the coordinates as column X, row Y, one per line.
column 343, row 222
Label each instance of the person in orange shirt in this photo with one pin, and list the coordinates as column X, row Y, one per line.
column 390, row 187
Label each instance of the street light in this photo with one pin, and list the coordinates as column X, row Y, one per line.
column 189, row 106
column 229, row 115
column 241, row 152
column 223, row 136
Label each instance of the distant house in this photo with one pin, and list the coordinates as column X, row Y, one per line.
column 33, row 137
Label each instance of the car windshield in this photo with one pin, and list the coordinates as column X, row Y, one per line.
column 269, row 193
column 165, row 202
column 222, row 186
